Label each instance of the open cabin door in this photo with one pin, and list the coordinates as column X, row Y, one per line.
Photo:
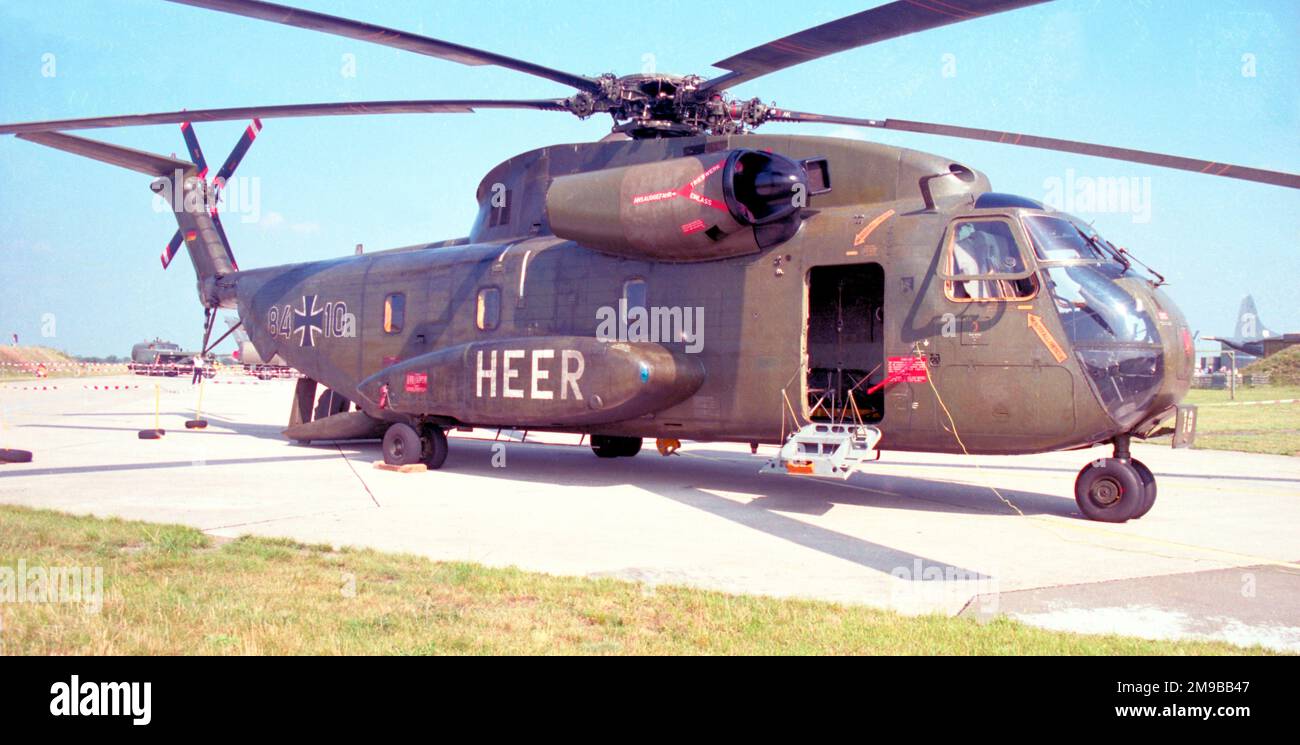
column 844, row 342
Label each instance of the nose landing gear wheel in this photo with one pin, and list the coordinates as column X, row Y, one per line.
column 1111, row 490
column 1149, row 482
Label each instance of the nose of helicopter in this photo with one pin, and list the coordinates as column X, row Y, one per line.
column 1173, row 375
column 1130, row 338
column 1179, row 350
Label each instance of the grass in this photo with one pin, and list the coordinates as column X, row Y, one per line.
column 173, row 590
column 1283, row 367
column 19, row 363
column 1267, row 428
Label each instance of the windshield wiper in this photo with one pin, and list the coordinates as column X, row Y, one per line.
column 1103, row 250
column 1160, row 278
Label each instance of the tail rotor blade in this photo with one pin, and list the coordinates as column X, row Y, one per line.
column 221, row 231
column 173, row 245
column 196, row 152
column 223, row 174
column 232, row 162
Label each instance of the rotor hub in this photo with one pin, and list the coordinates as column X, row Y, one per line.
column 650, row 105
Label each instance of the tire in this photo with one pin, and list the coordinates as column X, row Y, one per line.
column 402, row 446
column 435, row 447
column 606, row 446
column 8, row 455
column 1109, row 490
column 1149, row 486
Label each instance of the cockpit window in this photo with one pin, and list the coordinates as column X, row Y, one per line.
column 1067, row 238
column 1057, row 239
column 987, row 248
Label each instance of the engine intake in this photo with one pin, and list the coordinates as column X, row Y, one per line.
column 696, row 208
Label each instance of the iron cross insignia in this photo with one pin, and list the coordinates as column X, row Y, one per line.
column 307, row 321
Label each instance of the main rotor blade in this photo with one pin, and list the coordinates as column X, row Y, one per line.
column 1213, row 168
column 140, row 161
column 860, row 29
column 388, row 37
column 284, row 111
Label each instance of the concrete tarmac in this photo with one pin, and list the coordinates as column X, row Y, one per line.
column 1217, row 558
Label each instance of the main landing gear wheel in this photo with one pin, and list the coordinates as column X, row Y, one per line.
column 606, row 446
column 1111, row 490
column 434, row 446
column 402, row 445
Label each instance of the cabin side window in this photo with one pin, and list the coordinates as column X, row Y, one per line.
column 394, row 312
column 488, row 314
column 634, row 293
column 985, row 254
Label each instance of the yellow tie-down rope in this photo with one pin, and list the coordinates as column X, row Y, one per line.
column 1049, row 524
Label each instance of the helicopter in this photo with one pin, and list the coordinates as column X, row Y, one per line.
column 687, row 277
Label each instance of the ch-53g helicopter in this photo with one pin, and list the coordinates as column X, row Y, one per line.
column 686, row 278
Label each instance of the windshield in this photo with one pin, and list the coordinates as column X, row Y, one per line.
column 1067, row 238
column 1114, row 336
column 1058, row 239
column 1094, row 309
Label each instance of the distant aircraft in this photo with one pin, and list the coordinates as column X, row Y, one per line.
column 251, row 359
column 1248, row 337
column 160, row 357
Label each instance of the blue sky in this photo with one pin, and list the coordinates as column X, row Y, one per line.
column 79, row 241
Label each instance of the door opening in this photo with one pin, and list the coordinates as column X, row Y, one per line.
column 846, row 346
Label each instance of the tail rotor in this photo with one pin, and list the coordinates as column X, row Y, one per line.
column 212, row 190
